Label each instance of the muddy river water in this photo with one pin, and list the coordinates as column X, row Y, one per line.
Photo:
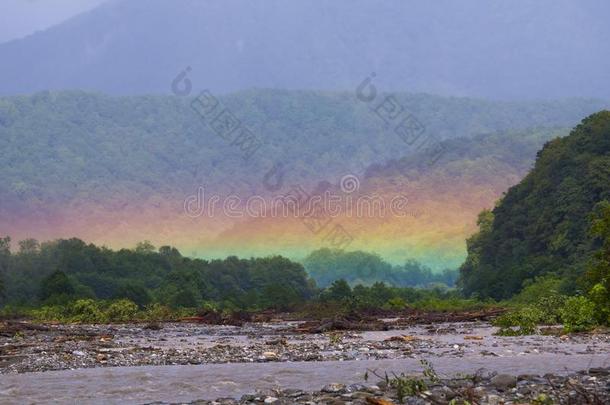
column 451, row 348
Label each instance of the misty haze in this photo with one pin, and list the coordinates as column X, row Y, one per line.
column 297, row 202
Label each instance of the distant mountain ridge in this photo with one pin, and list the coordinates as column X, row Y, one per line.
column 534, row 50
column 118, row 170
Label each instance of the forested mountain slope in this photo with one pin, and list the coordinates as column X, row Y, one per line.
column 541, row 226
column 117, row 170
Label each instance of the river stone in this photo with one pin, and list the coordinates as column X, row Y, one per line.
column 356, row 387
column 442, row 394
column 493, row 399
column 503, row 382
column 270, row 355
column 294, row 393
column 334, row 388
column 415, row 401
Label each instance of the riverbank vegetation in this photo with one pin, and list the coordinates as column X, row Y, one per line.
column 543, row 252
column 69, row 280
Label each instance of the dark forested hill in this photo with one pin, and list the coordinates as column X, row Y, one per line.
column 117, row 170
column 541, row 226
column 525, row 49
column 57, row 147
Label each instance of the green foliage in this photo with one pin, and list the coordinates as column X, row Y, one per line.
column 340, row 298
column 409, row 385
column 134, row 292
column 54, row 140
column 121, row 311
column 598, row 272
column 157, row 312
column 86, row 311
column 57, row 287
column 327, row 265
column 395, row 303
column 144, row 276
column 524, row 319
column 339, row 291
column 578, row 314
column 543, row 399
column 52, row 313
column 535, row 307
column 600, row 297
column 541, row 225
column 534, row 290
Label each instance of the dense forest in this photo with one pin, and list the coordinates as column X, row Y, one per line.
column 64, row 270
column 68, row 280
column 361, row 268
column 145, row 146
column 554, row 223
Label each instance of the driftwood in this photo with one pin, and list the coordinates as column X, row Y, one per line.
column 216, row 318
column 10, row 328
column 418, row 317
column 349, row 322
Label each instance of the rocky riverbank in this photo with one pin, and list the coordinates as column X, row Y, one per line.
column 588, row 387
column 58, row 347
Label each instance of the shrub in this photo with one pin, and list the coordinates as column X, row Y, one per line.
column 578, row 314
column 157, row 312
column 121, row 311
column 86, row 311
column 540, row 288
column 49, row 313
column 524, row 319
column 396, row 303
column 600, row 297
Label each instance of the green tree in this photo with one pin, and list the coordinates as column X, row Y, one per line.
column 145, row 247
column 597, row 278
column 134, row 292
column 57, row 287
column 541, row 225
column 339, row 291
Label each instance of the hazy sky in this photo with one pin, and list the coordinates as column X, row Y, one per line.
column 19, row 18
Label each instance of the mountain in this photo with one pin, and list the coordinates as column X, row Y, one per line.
column 541, row 226
column 116, row 170
column 535, row 50
column 441, row 204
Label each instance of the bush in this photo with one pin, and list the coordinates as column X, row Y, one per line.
column 86, row 311
column 525, row 319
column 157, row 312
column 121, row 311
column 541, row 287
column 578, row 314
column 600, row 297
column 49, row 313
column 396, row 303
